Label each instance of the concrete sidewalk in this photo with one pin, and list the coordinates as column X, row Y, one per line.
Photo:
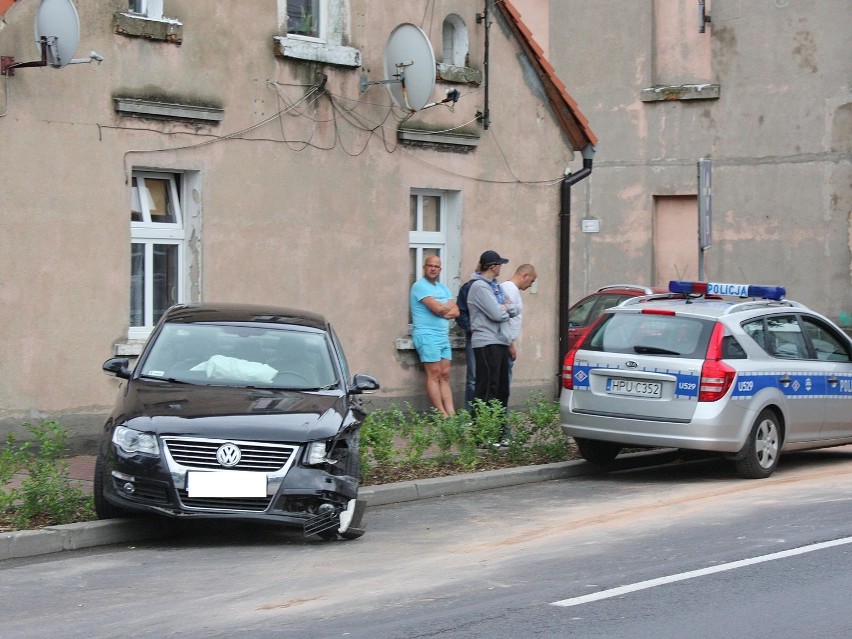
column 28, row 543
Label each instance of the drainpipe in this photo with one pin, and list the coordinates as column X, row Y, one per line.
column 568, row 181
column 484, row 116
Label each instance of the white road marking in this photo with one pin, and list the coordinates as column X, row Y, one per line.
column 661, row 581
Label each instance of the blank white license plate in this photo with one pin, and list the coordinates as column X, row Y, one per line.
column 225, row 483
column 633, row 388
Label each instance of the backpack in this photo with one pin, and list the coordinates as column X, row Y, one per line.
column 463, row 319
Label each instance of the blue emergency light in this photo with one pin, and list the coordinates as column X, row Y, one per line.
column 733, row 290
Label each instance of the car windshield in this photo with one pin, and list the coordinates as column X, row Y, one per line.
column 651, row 334
column 240, row 355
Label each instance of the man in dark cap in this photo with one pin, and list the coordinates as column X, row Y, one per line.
column 490, row 336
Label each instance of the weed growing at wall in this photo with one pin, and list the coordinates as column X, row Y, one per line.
column 44, row 494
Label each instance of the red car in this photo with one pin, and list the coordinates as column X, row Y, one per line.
column 584, row 313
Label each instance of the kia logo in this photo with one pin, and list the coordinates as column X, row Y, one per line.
column 228, row 455
column 631, row 364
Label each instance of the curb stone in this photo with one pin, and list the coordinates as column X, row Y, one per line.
column 88, row 534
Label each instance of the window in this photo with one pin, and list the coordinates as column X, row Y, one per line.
column 315, row 31
column 660, row 335
column 779, row 335
column 434, row 230
column 304, row 18
column 682, row 56
column 157, row 249
column 152, row 9
column 826, row 343
column 145, row 19
column 455, row 41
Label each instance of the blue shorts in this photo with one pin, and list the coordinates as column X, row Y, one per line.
column 432, row 348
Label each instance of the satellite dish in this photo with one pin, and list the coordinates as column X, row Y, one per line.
column 57, row 22
column 409, row 67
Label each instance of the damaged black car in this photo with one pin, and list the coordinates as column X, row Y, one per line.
column 237, row 412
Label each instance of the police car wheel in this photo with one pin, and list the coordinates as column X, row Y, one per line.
column 760, row 455
column 597, row 452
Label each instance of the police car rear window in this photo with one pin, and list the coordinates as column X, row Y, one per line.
column 641, row 334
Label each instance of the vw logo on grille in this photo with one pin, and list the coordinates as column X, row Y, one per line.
column 228, row 455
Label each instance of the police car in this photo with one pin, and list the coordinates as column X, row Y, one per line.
column 731, row 368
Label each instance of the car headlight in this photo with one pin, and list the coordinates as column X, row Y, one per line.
column 134, row 441
column 316, row 454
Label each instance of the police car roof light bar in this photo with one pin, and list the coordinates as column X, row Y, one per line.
column 776, row 293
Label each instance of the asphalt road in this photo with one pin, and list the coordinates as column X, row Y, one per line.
column 680, row 550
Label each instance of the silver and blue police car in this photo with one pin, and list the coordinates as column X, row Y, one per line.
column 731, row 368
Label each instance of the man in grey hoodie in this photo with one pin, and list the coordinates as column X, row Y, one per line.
column 490, row 335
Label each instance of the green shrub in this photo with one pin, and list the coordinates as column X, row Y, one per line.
column 46, row 494
column 403, row 436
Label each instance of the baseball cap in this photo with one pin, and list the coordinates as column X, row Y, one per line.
column 491, row 257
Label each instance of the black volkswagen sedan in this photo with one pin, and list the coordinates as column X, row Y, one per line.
column 238, row 412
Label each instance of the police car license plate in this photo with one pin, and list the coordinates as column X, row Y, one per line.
column 633, row 388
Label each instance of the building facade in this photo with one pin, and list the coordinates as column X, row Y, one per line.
column 250, row 152
column 763, row 90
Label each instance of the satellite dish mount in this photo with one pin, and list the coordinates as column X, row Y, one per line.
column 409, row 68
column 57, row 34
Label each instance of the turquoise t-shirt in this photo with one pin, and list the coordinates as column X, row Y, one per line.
column 422, row 318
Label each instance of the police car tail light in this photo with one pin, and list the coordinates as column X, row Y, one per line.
column 568, row 370
column 716, row 376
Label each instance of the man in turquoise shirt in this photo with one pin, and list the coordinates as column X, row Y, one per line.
column 432, row 308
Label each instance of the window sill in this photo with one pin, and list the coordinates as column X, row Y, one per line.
column 130, row 348
column 136, row 26
column 311, row 51
column 681, row 92
column 165, row 111
column 458, row 75
column 458, row 142
column 457, row 342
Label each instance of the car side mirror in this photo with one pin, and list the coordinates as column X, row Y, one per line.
column 363, row 384
column 118, row 366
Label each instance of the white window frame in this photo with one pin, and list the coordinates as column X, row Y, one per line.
column 322, row 17
column 150, row 233
column 334, row 29
column 151, row 9
column 447, row 241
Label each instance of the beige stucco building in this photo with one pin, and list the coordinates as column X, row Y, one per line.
column 227, row 152
column 764, row 93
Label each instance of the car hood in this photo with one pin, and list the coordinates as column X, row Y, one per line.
column 232, row 413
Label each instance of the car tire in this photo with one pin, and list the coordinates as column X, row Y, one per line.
column 104, row 509
column 597, row 452
column 759, row 457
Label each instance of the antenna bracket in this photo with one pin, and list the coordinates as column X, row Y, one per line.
column 703, row 16
column 399, row 76
column 8, row 64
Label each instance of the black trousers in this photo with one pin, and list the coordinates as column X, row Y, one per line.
column 492, row 373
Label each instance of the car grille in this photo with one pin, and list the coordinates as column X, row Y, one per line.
column 254, row 456
column 253, row 504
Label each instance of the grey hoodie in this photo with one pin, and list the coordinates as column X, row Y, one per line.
column 487, row 317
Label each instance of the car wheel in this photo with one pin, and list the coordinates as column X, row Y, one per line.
column 597, row 452
column 760, row 454
column 104, row 509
